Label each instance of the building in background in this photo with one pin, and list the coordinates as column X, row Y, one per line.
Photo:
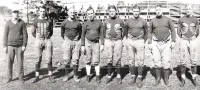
column 172, row 9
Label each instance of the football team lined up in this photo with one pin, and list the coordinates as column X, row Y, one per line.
column 110, row 36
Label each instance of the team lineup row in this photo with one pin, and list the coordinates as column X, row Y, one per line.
column 94, row 36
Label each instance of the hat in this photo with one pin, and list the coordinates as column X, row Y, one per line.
column 15, row 11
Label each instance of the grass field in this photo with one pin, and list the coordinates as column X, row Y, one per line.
column 82, row 85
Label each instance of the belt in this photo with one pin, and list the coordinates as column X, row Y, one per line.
column 135, row 38
column 115, row 39
column 94, row 41
column 188, row 38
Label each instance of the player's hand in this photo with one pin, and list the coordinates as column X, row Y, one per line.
column 101, row 48
column 5, row 49
column 172, row 45
column 23, row 48
column 83, row 49
column 150, row 46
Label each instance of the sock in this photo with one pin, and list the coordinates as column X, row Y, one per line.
column 49, row 65
column 67, row 67
column 140, row 71
column 97, row 69
column 118, row 69
column 132, row 70
column 88, row 69
column 75, row 68
column 182, row 69
column 109, row 68
column 194, row 71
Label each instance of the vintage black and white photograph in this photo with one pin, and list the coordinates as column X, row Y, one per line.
column 99, row 45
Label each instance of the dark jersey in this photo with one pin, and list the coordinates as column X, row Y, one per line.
column 42, row 28
column 188, row 27
column 136, row 28
column 93, row 31
column 161, row 28
column 71, row 29
column 114, row 28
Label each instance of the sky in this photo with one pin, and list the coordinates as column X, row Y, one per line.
column 101, row 2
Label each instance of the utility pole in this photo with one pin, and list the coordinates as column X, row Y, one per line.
column 27, row 6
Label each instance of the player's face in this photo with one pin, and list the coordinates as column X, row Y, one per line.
column 159, row 11
column 90, row 15
column 42, row 12
column 71, row 13
column 15, row 15
column 188, row 10
column 136, row 12
column 112, row 12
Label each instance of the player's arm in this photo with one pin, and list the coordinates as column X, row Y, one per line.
column 145, row 31
column 80, row 30
column 150, row 31
column 5, row 37
column 34, row 28
column 125, row 34
column 63, row 29
column 122, row 25
column 25, row 34
column 51, row 28
column 197, row 28
column 172, row 29
column 83, row 34
column 102, row 33
column 179, row 28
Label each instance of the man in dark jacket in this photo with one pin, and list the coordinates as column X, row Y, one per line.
column 14, row 43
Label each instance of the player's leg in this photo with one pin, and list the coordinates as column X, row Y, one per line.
column 140, row 54
column 75, row 60
column 117, row 59
column 49, row 54
column 88, row 48
column 166, row 54
column 96, row 60
column 67, row 57
column 20, row 59
column 38, row 52
column 183, row 54
column 194, row 58
column 108, row 49
column 157, row 62
column 131, row 60
column 10, row 57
